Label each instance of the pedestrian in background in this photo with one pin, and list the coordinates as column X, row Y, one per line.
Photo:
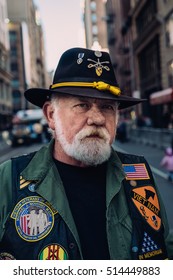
column 98, row 204
column 167, row 162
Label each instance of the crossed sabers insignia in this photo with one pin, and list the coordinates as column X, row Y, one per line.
column 98, row 66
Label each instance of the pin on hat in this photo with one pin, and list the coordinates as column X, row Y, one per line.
column 83, row 72
column 80, row 58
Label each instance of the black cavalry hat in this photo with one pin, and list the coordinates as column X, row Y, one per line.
column 83, row 72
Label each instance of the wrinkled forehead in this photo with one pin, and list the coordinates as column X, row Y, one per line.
column 75, row 98
column 98, row 101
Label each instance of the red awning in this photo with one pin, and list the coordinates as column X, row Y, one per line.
column 162, row 97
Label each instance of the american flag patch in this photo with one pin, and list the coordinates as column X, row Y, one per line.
column 135, row 171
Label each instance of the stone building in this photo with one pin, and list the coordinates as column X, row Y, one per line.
column 5, row 77
column 143, row 32
column 95, row 24
column 27, row 59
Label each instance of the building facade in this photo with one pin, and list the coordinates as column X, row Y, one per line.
column 26, row 50
column 142, row 48
column 5, row 77
column 114, row 25
column 95, row 24
column 17, row 65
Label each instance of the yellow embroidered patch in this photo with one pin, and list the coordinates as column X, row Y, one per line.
column 146, row 200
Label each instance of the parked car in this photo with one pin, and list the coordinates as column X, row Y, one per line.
column 27, row 127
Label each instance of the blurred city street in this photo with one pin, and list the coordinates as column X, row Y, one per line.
column 79, row 71
column 7, row 152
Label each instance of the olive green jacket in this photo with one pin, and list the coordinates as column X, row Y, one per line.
column 43, row 170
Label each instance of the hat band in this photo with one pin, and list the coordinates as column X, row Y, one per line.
column 98, row 85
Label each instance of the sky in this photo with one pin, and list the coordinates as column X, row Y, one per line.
column 62, row 25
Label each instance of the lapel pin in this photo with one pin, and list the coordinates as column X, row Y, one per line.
column 80, row 58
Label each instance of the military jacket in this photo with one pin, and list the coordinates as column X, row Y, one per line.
column 36, row 221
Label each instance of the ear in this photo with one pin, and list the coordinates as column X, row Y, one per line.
column 48, row 111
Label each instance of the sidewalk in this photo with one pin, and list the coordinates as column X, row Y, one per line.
column 155, row 137
column 3, row 146
column 152, row 154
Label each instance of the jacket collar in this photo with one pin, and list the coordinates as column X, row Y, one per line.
column 40, row 164
column 115, row 176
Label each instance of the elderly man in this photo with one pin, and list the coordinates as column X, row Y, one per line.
column 99, row 204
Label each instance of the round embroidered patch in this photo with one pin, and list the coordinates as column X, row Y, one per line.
column 6, row 256
column 34, row 218
column 53, row 252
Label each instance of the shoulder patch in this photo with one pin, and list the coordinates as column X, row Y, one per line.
column 53, row 252
column 25, row 183
column 146, row 200
column 6, row 256
column 150, row 249
column 34, row 218
column 136, row 171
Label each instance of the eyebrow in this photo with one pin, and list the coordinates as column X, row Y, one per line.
column 90, row 99
column 80, row 98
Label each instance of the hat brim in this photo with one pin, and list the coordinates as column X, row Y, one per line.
column 39, row 96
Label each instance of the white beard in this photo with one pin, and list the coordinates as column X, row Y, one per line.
column 88, row 150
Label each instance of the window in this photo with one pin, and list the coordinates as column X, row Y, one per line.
column 15, row 83
column 13, row 51
column 3, row 61
column 1, row 90
column 16, row 100
column 169, row 30
column 146, row 16
column 170, row 73
column 149, row 63
column 94, row 30
column 93, row 6
column 93, row 18
column 13, row 36
column 14, row 66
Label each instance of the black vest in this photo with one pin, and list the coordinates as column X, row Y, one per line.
column 35, row 230
column 148, row 230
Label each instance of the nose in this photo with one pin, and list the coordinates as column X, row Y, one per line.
column 95, row 116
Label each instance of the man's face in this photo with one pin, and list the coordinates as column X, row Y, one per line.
column 85, row 127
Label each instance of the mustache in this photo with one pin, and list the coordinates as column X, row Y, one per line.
column 97, row 132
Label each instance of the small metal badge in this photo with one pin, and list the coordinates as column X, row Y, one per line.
column 31, row 187
column 135, row 249
column 98, row 53
column 133, row 183
column 80, row 58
